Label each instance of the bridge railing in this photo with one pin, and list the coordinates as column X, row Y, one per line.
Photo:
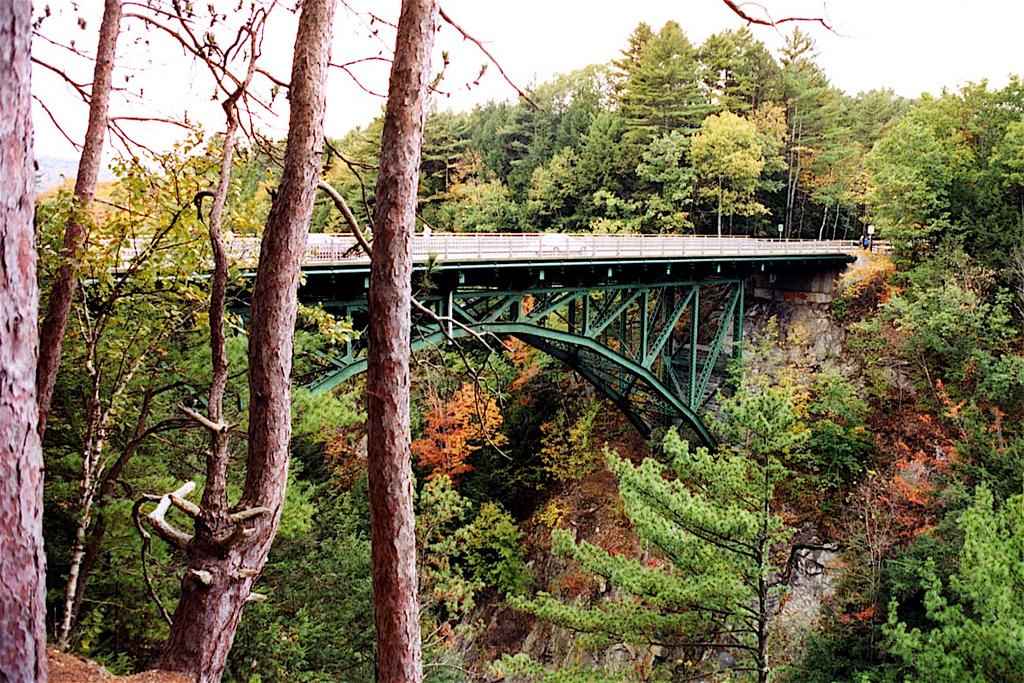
column 555, row 246
column 326, row 249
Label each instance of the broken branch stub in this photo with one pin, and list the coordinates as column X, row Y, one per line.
column 163, row 528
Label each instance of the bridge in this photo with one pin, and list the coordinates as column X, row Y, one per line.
column 648, row 320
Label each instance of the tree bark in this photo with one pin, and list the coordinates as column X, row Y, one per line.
column 51, row 335
column 221, row 572
column 95, row 438
column 22, row 563
column 392, row 521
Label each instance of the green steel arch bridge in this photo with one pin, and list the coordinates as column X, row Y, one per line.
column 648, row 320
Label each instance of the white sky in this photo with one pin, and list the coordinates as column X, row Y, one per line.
column 912, row 46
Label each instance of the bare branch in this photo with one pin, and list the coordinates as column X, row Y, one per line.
column 466, row 36
column 186, row 506
column 164, row 529
column 358, row 82
column 79, row 87
column 342, row 206
column 152, row 119
column 53, row 118
column 248, row 513
column 201, row 575
column 217, row 427
column 738, row 10
column 142, row 556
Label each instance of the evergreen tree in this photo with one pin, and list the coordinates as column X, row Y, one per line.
column 445, row 138
column 739, row 71
column 658, row 85
column 711, row 530
column 977, row 617
column 666, row 167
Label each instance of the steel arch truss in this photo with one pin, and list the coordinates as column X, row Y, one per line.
column 652, row 349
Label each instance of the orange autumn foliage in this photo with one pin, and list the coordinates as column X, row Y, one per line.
column 456, row 430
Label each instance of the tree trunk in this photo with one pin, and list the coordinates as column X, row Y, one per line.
column 794, row 171
column 51, row 334
column 208, row 612
column 719, row 207
column 22, row 565
column 94, row 441
column 392, row 521
column 104, row 491
column 762, row 555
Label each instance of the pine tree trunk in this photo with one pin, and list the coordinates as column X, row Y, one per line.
column 762, row 630
column 208, row 614
column 763, row 550
column 392, row 521
column 23, row 565
column 51, row 334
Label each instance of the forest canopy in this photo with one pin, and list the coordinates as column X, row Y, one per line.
column 876, row 439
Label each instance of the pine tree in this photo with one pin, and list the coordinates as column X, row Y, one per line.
column 710, row 532
column 659, row 89
column 977, row 617
column 710, row 529
column 739, row 71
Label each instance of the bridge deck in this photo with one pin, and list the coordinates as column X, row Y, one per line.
column 341, row 249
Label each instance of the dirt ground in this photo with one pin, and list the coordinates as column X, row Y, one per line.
column 65, row 668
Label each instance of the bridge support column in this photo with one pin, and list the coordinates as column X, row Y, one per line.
column 737, row 334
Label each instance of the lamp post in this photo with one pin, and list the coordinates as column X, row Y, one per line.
column 781, row 228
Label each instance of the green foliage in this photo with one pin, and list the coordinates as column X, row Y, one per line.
column 710, row 530
column 317, row 623
column 957, row 327
column 658, row 86
column 662, row 140
column 727, row 154
column 523, row 668
column 839, row 446
column 444, row 584
column 491, row 548
column 464, row 552
column 976, row 616
column 949, row 169
column 665, row 165
column 913, row 171
column 739, row 69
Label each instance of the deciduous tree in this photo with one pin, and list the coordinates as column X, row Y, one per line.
column 456, row 429
column 728, row 155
